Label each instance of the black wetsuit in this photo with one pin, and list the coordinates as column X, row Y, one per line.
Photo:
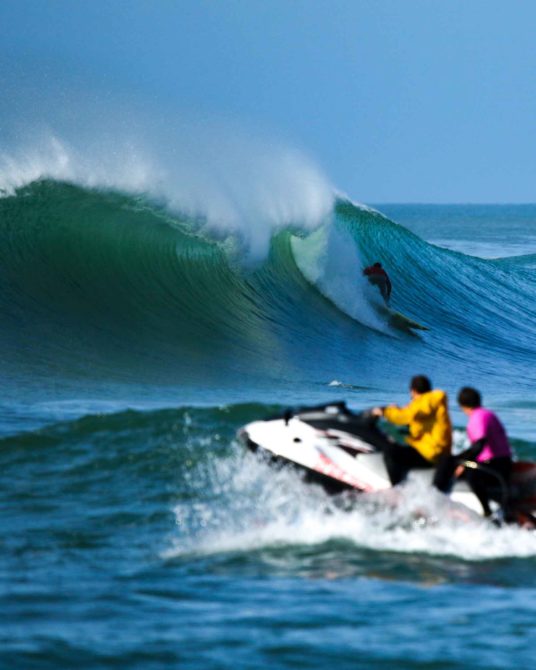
column 378, row 277
column 400, row 459
column 489, row 474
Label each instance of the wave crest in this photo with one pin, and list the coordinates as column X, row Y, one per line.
column 229, row 183
column 111, row 284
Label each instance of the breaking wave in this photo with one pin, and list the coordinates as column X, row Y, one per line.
column 102, row 282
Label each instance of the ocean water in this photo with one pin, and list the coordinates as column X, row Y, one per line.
column 141, row 328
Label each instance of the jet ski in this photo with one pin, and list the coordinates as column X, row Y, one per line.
column 342, row 451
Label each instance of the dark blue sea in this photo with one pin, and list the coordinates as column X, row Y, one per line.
column 139, row 332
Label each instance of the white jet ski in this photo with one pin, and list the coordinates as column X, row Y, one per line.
column 342, row 450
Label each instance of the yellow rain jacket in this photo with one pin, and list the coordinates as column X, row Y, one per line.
column 430, row 430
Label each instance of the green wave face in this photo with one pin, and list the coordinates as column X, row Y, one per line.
column 105, row 285
column 98, row 283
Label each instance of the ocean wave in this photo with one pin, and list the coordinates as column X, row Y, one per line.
column 103, row 283
column 225, row 182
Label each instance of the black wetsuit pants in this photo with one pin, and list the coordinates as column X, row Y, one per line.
column 399, row 460
column 383, row 283
column 480, row 480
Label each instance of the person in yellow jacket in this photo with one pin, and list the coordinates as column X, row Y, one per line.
column 430, row 430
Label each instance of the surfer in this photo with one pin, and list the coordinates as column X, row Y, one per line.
column 378, row 277
column 430, row 430
column 489, row 448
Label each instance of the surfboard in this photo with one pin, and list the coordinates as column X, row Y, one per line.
column 399, row 320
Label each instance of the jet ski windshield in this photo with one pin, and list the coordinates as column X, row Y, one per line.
column 337, row 417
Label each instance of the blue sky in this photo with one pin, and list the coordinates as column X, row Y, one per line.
column 397, row 101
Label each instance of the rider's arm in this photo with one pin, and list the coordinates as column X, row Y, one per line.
column 400, row 416
column 472, row 452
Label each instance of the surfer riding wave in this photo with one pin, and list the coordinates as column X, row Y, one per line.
column 377, row 276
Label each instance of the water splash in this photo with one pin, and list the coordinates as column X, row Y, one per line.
column 228, row 181
column 267, row 509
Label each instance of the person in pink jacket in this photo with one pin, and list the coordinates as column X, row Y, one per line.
column 489, row 448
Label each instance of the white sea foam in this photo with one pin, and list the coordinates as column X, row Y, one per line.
column 268, row 508
column 329, row 259
column 230, row 182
